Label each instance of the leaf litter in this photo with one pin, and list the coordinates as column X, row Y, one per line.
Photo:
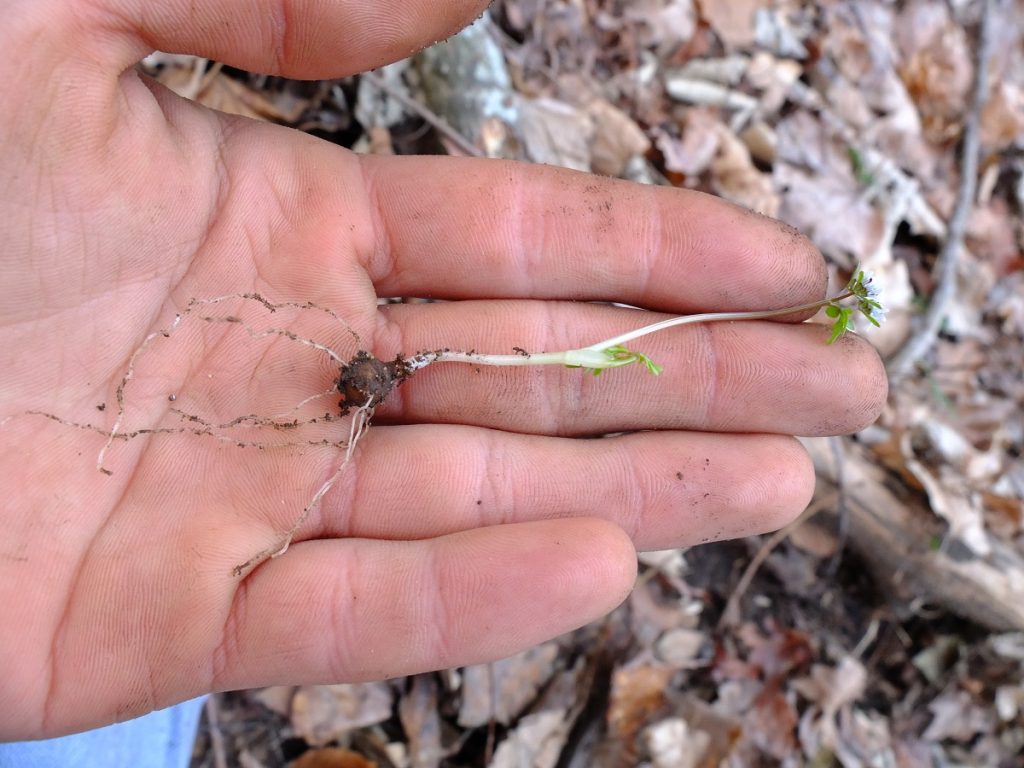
column 885, row 628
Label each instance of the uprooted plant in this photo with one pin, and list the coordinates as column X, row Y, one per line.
column 364, row 381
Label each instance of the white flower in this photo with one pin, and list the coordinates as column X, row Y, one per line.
column 874, row 311
column 871, row 289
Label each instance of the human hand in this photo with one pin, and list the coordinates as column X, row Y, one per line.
column 468, row 525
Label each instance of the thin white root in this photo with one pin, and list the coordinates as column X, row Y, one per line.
column 255, row 420
column 124, row 382
column 204, row 431
column 357, row 429
column 193, row 306
column 290, row 335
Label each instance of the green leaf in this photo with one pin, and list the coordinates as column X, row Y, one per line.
column 652, row 366
column 860, row 169
column 842, row 324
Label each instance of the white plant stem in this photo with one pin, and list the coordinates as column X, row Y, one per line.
column 595, row 356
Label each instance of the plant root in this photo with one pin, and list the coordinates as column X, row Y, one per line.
column 194, row 305
column 357, row 429
column 364, row 383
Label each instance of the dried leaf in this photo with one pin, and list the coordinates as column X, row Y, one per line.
column 864, row 739
column 332, row 757
column 536, row 742
column 671, row 743
column 637, row 696
column 733, row 21
column 956, row 716
column 821, row 194
column 662, row 25
column 422, row 723
column 771, row 724
column 276, row 698
column 692, row 154
column 679, row 648
column 226, row 94
column 616, row 139
column 937, row 67
column 555, row 133
column 1002, row 118
column 735, row 177
column 516, row 681
column 780, row 651
column 322, row 713
column 954, row 506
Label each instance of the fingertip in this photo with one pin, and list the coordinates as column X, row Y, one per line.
column 361, row 609
column 612, row 554
column 801, row 263
column 757, row 488
column 582, row 567
column 790, row 483
column 867, row 388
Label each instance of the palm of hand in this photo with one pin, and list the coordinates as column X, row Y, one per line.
column 127, row 206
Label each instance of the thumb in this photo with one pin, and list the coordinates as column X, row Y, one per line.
column 305, row 39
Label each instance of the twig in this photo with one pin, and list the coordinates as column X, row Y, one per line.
column 438, row 122
column 732, row 608
column 842, row 513
column 220, row 756
column 918, row 345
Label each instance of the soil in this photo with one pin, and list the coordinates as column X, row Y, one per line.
column 366, row 381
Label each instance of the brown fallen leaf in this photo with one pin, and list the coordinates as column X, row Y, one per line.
column 771, row 723
column 516, row 681
column 322, row 713
column 333, row 757
column 637, row 698
column 422, row 723
column 226, row 94
column 537, row 742
column 616, row 140
column 735, row 177
column 937, row 67
column 821, row 195
column 693, row 152
column 556, row 133
column 733, row 21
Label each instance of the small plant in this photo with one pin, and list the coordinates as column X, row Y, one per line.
column 609, row 353
column 364, row 381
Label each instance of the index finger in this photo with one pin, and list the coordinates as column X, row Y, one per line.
column 466, row 228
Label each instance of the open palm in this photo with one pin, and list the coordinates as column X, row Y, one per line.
column 470, row 523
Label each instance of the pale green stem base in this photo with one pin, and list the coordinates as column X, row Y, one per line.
column 595, row 356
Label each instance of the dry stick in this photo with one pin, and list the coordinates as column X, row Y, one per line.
column 431, row 117
column 918, row 345
column 732, row 607
column 835, row 443
column 220, row 758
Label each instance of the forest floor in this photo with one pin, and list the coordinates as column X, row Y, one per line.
column 885, row 627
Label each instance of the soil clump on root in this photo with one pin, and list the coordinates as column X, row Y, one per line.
column 366, row 381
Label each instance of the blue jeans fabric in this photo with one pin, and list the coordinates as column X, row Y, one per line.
column 161, row 739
